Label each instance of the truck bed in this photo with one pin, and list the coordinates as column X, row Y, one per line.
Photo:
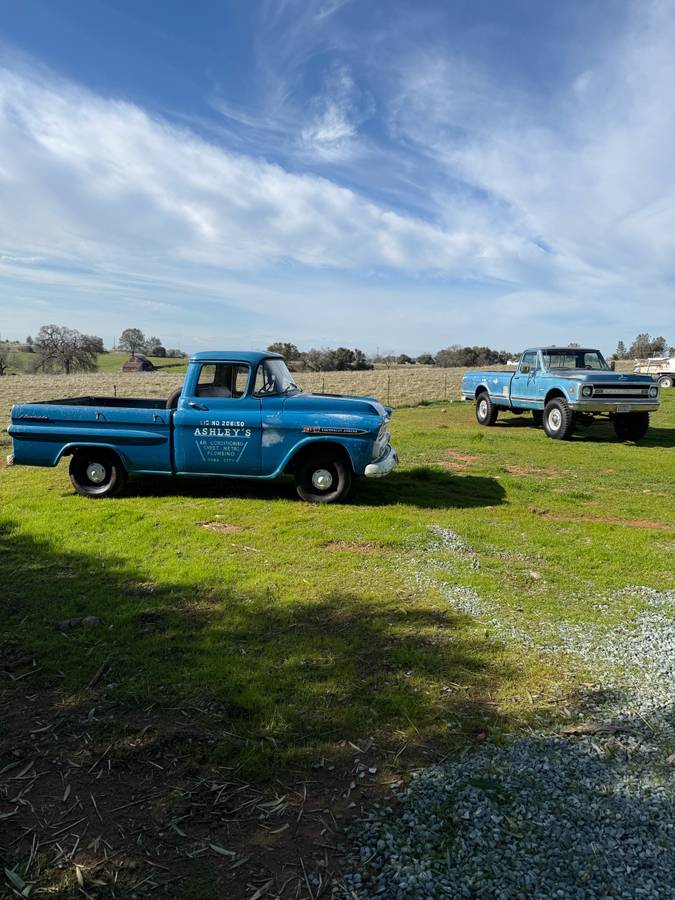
column 139, row 429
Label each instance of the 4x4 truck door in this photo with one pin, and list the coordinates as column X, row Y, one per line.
column 217, row 424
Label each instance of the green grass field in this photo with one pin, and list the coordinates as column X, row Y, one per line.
column 308, row 626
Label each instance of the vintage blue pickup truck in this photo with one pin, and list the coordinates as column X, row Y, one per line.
column 238, row 415
column 565, row 387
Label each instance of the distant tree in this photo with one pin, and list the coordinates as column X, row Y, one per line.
column 344, row 359
column 620, row 352
column 65, row 349
column 154, row 347
column 573, row 345
column 426, row 359
column 360, row 360
column 4, row 358
column 132, row 340
column 644, row 346
column 286, row 349
column 174, row 353
column 29, row 340
column 404, row 360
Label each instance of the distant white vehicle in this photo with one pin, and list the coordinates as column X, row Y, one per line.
column 661, row 367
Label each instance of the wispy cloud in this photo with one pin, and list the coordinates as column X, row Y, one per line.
column 108, row 182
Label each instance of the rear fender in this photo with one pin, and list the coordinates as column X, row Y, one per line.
column 70, row 449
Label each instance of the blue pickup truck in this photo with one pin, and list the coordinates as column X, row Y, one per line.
column 238, row 415
column 565, row 387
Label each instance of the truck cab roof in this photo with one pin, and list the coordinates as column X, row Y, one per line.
column 249, row 356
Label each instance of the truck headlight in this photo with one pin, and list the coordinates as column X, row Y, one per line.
column 587, row 390
column 653, row 392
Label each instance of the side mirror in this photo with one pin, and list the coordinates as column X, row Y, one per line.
column 612, row 365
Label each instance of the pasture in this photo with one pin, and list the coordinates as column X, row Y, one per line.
column 259, row 668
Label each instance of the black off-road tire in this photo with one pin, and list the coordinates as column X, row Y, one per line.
column 558, row 419
column 97, row 473
column 318, row 468
column 486, row 411
column 538, row 417
column 631, row 426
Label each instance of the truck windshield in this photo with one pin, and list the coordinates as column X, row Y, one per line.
column 574, row 359
column 273, row 378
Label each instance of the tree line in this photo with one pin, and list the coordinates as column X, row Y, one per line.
column 327, row 359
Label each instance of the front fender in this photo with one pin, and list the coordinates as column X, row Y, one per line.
column 359, row 452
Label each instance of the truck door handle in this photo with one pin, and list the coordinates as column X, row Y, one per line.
column 194, row 405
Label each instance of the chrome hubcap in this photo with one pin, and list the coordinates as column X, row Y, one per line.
column 482, row 409
column 554, row 419
column 96, row 473
column 322, row 479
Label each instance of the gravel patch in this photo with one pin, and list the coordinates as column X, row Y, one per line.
column 587, row 817
column 540, row 818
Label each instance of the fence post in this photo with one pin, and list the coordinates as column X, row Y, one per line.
column 323, row 384
column 445, row 385
column 388, row 389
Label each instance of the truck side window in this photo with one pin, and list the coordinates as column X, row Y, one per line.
column 528, row 363
column 222, row 380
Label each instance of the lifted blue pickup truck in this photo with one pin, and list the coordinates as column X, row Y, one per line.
column 238, row 415
column 565, row 387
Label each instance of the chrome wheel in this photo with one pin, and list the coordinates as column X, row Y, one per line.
column 96, row 473
column 322, row 480
column 554, row 420
column 483, row 409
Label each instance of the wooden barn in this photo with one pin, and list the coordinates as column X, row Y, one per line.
column 138, row 364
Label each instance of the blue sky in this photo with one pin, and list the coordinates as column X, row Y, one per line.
column 391, row 174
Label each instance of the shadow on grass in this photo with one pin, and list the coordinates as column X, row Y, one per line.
column 194, row 679
column 423, row 487
column 600, row 432
column 290, row 676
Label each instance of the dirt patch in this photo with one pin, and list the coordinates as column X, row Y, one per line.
column 354, row 546
column 107, row 800
column 533, row 470
column 221, row 527
column 609, row 520
column 457, row 461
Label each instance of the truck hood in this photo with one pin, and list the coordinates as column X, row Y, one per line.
column 335, row 403
column 595, row 376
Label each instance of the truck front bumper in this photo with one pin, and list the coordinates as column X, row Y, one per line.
column 618, row 406
column 382, row 466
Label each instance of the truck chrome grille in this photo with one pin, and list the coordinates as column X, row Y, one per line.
column 621, row 391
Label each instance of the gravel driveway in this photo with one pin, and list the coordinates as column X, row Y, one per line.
column 544, row 816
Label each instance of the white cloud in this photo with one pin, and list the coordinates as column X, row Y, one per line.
column 91, row 179
column 586, row 169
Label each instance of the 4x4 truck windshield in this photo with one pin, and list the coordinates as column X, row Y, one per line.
column 574, row 359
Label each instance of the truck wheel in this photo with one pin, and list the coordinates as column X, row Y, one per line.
column 322, row 478
column 486, row 411
column 97, row 473
column 538, row 417
column 666, row 381
column 631, row 426
column 558, row 420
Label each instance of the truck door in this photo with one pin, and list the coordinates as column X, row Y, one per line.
column 217, row 425
column 524, row 381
